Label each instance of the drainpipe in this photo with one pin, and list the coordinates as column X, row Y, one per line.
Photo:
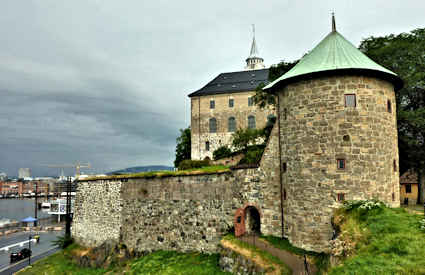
column 280, row 166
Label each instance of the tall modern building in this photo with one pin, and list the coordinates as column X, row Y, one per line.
column 24, row 173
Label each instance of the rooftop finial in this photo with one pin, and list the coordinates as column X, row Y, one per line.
column 253, row 30
column 333, row 22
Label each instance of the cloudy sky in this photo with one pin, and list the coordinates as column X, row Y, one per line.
column 106, row 82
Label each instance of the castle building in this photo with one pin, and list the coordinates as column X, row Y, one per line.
column 225, row 104
column 338, row 137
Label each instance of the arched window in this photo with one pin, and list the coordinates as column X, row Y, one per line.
column 213, row 125
column 231, row 124
column 251, row 122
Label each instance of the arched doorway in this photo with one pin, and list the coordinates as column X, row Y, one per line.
column 247, row 221
column 252, row 220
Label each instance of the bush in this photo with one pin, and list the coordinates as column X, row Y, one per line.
column 253, row 154
column 63, row 241
column 222, row 152
column 191, row 164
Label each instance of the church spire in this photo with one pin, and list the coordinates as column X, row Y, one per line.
column 254, row 62
column 333, row 22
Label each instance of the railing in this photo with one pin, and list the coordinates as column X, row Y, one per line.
column 20, row 244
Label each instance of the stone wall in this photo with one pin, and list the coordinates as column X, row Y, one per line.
column 316, row 129
column 97, row 212
column 185, row 213
column 237, row 264
column 201, row 113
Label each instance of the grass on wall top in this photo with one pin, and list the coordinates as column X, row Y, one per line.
column 207, row 170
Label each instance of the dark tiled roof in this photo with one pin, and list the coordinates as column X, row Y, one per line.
column 234, row 82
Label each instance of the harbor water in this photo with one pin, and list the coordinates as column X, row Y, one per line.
column 18, row 209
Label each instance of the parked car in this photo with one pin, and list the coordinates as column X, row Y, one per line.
column 17, row 256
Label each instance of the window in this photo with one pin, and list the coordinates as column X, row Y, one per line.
column 251, row 122
column 270, row 100
column 250, row 101
column 408, row 188
column 213, row 125
column 207, row 146
column 341, row 197
column 340, row 163
column 350, row 100
column 395, row 165
column 285, row 114
column 231, row 102
column 231, row 127
column 393, row 196
column 212, row 104
column 239, row 219
column 389, row 109
column 284, row 167
column 284, row 194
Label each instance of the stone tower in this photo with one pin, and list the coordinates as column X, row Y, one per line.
column 254, row 61
column 338, row 137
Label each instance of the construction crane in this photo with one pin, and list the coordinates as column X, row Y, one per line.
column 77, row 167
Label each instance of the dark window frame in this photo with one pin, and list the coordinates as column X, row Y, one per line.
column 284, row 167
column 207, row 145
column 212, row 123
column 338, row 162
column 395, row 165
column 231, row 102
column 408, row 188
column 212, row 104
column 233, row 128
column 284, row 194
column 345, row 100
column 252, row 118
column 250, row 101
column 389, row 107
column 341, row 196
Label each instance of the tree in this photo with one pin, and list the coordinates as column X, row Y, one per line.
column 183, row 147
column 404, row 55
column 263, row 99
column 243, row 138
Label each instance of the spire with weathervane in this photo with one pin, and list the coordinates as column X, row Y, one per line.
column 254, row 61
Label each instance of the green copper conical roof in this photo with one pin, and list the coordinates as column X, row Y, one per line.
column 334, row 53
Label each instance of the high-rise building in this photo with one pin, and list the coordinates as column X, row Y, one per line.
column 24, row 173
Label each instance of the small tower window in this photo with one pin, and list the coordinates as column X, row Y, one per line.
column 212, row 104
column 389, row 108
column 207, row 146
column 393, row 196
column 232, row 124
column 340, row 164
column 284, row 194
column 231, row 102
column 250, row 101
column 284, row 167
column 341, row 197
column 408, row 188
column 395, row 165
column 350, row 100
column 251, row 122
column 213, row 125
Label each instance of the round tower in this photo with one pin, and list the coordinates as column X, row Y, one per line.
column 338, row 137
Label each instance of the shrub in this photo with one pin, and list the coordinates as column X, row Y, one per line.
column 222, row 152
column 191, row 164
column 253, row 154
column 63, row 241
column 422, row 224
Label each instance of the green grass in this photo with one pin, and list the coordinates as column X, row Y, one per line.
column 171, row 262
column 384, row 240
column 158, row 263
column 162, row 174
column 60, row 263
column 321, row 260
column 263, row 254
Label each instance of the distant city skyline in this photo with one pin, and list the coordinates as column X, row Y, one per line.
column 107, row 83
